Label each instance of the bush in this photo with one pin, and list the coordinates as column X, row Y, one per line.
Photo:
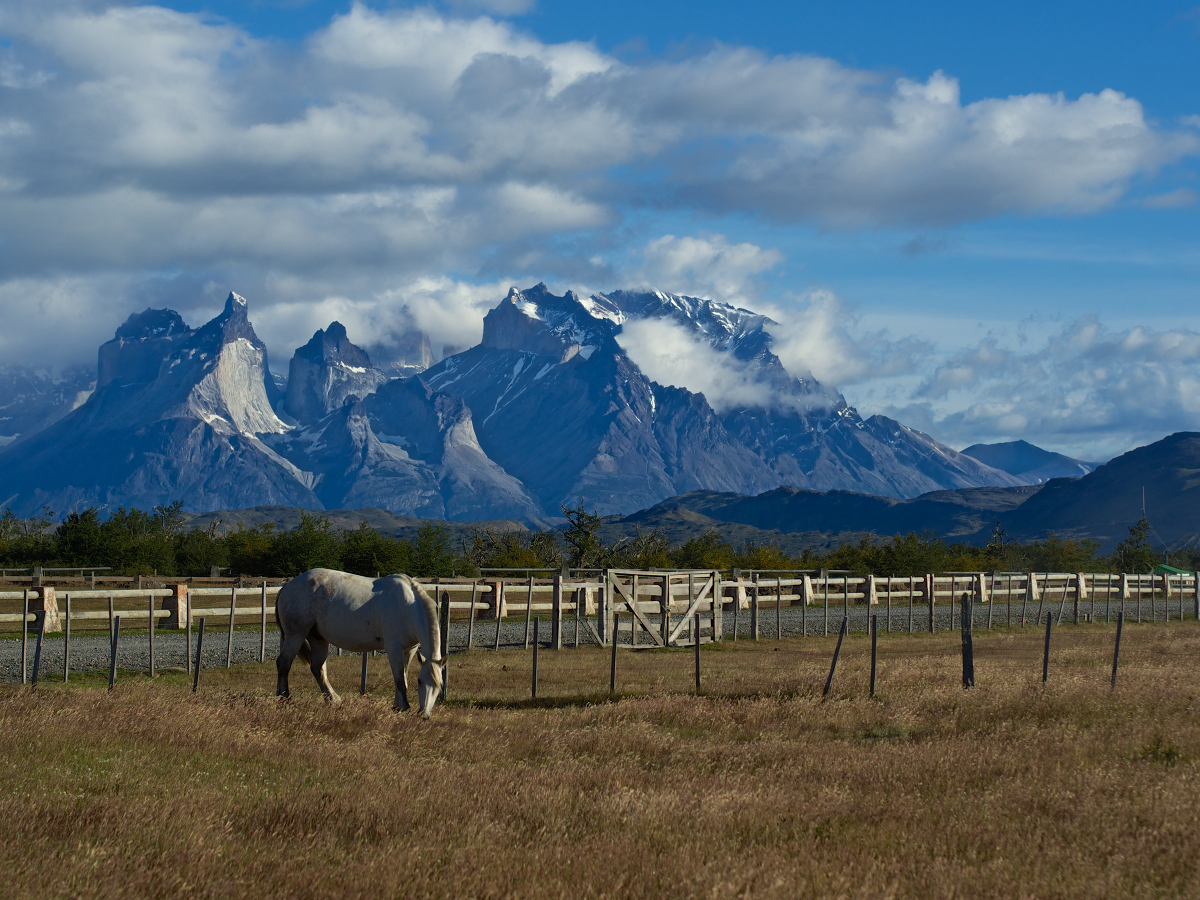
column 367, row 552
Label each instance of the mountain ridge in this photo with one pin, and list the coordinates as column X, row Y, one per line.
column 548, row 410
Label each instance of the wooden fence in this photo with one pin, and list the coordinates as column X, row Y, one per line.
column 668, row 607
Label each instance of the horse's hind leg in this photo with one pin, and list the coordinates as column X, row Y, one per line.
column 319, row 648
column 290, row 646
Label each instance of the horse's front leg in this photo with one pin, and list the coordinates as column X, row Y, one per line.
column 398, row 659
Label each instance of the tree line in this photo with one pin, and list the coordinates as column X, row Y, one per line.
column 131, row 542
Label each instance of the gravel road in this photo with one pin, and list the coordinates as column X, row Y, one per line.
column 90, row 651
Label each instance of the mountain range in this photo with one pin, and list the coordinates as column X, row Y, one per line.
column 1160, row 480
column 547, row 410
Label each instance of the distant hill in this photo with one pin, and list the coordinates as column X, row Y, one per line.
column 1030, row 464
column 795, row 518
column 285, row 518
column 1103, row 504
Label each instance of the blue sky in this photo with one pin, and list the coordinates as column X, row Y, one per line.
column 980, row 219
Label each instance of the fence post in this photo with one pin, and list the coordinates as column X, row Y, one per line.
column 262, row 626
column 25, row 639
column 581, row 596
column 199, row 652
column 150, row 606
column 754, row 608
column 362, row 685
column 471, row 619
column 528, row 611
column 37, row 652
column 536, row 641
column 187, row 618
column 498, row 604
column 1196, row 586
column 112, row 659
column 612, row 666
column 67, row 640
column 825, row 591
column 177, row 606
column 1117, row 646
column 718, row 608
column 664, row 624
column 929, row 592
column 778, row 608
column 556, row 615
column 44, row 600
column 874, row 649
column 232, row 616
column 968, row 648
column 445, row 645
column 836, row 653
column 603, row 610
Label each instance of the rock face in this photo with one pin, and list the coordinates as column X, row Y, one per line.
column 188, row 428
column 562, row 407
column 410, row 450
column 32, row 399
column 325, row 372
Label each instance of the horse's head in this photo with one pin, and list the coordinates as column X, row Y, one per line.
column 429, row 685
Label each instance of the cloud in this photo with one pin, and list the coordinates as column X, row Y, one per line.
column 201, row 143
column 1179, row 198
column 705, row 266
column 821, row 335
column 672, row 355
column 1085, row 389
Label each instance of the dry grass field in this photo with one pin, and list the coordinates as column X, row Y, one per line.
column 756, row 788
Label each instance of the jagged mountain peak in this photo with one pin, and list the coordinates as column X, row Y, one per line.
column 152, row 323
column 328, row 371
column 333, row 346
column 232, row 324
column 538, row 321
column 724, row 325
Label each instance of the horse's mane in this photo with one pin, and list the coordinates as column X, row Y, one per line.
column 429, row 606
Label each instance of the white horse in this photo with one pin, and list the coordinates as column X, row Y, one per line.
column 392, row 613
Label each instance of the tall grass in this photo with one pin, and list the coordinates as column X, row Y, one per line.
column 755, row 788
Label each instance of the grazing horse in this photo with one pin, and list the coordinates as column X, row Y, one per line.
column 392, row 613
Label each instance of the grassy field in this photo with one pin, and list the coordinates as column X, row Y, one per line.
column 756, row 788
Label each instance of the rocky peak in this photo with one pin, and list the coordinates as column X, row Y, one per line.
column 231, row 325
column 333, row 346
column 152, row 323
column 326, row 372
column 139, row 346
column 537, row 321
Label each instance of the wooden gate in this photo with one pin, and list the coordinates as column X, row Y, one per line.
column 671, row 607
